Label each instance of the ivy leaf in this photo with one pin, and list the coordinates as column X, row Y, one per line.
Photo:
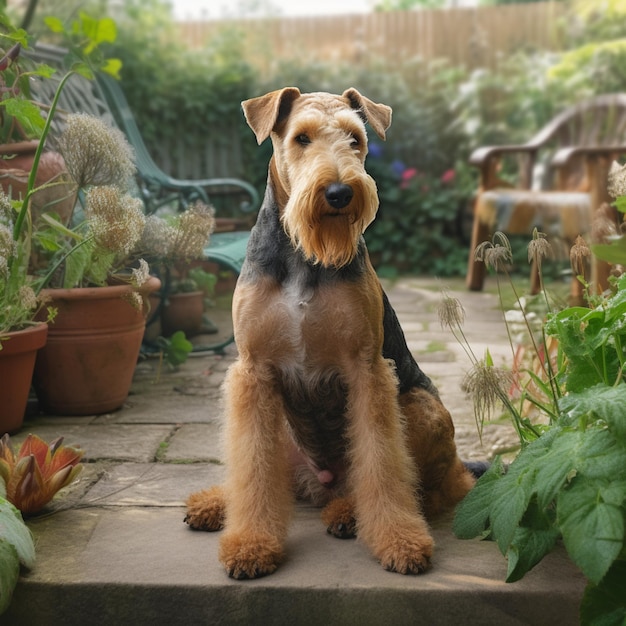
column 591, row 517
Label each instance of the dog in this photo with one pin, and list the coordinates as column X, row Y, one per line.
column 325, row 400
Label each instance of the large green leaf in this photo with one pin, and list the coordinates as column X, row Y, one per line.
column 599, row 401
column 605, row 604
column 9, row 573
column 472, row 514
column 528, row 547
column 591, row 517
column 27, row 114
column 14, row 530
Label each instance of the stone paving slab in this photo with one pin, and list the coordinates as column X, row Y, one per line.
column 144, row 564
column 153, row 484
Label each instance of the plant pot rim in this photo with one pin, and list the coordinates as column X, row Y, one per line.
column 17, row 147
column 98, row 293
column 39, row 330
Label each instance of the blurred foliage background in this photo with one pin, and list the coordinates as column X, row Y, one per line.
column 425, row 193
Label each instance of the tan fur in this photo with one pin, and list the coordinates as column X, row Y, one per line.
column 400, row 450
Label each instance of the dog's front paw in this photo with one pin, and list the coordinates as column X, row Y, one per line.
column 205, row 509
column 250, row 556
column 338, row 515
column 406, row 554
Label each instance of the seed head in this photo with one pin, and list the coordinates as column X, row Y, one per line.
column 616, row 185
column 451, row 312
column 487, row 386
column 96, row 153
column 577, row 255
column 495, row 254
column 116, row 220
column 539, row 248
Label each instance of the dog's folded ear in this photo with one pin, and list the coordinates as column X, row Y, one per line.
column 378, row 115
column 264, row 112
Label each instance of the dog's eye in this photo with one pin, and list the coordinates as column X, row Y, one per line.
column 355, row 143
column 303, row 140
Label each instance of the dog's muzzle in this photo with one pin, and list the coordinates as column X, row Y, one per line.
column 338, row 195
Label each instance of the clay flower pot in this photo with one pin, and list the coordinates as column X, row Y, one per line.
column 93, row 344
column 183, row 311
column 17, row 360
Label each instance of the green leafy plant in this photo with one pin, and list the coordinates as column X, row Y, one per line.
column 175, row 349
column 568, row 480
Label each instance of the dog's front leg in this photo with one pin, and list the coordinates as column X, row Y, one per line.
column 382, row 474
column 258, row 489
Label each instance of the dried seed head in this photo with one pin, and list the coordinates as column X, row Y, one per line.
column 495, row 254
column 27, row 298
column 577, row 255
column 8, row 246
column 616, row 185
column 141, row 274
column 539, row 248
column 96, row 153
column 487, row 385
column 116, row 220
column 451, row 312
column 195, row 226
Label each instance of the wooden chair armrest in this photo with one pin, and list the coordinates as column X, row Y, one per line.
column 563, row 156
column 481, row 156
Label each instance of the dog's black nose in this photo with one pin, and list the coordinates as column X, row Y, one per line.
column 339, row 195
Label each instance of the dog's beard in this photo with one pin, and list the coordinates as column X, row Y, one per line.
column 328, row 236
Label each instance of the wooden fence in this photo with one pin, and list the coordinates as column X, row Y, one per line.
column 473, row 37
column 470, row 37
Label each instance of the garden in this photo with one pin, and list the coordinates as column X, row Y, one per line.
column 565, row 389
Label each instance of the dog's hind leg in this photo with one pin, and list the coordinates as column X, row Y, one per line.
column 258, row 482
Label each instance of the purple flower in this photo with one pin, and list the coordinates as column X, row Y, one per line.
column 398, row 167
column 375, row 150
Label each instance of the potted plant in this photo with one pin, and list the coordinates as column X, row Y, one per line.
column 568, row 482
column 23, row 315
column 89, row 261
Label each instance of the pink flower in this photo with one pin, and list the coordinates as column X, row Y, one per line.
column 448, row 176
column 407, row 175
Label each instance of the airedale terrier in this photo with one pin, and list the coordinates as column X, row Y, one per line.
column 325, row 399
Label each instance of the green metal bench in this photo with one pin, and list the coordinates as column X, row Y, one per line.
column 104, row 98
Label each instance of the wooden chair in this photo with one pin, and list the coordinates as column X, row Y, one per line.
column 561, row 181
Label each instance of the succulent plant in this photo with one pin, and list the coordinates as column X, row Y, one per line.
column 38, row 470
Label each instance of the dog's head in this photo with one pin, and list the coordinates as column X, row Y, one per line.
column 326, row 198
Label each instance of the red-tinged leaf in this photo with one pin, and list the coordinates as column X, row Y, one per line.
column 65, row 456
column 36, row 447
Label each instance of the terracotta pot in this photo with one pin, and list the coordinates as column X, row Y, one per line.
column 16, row 160
column 17, row 360
column 87, row 365
column 183, row 311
